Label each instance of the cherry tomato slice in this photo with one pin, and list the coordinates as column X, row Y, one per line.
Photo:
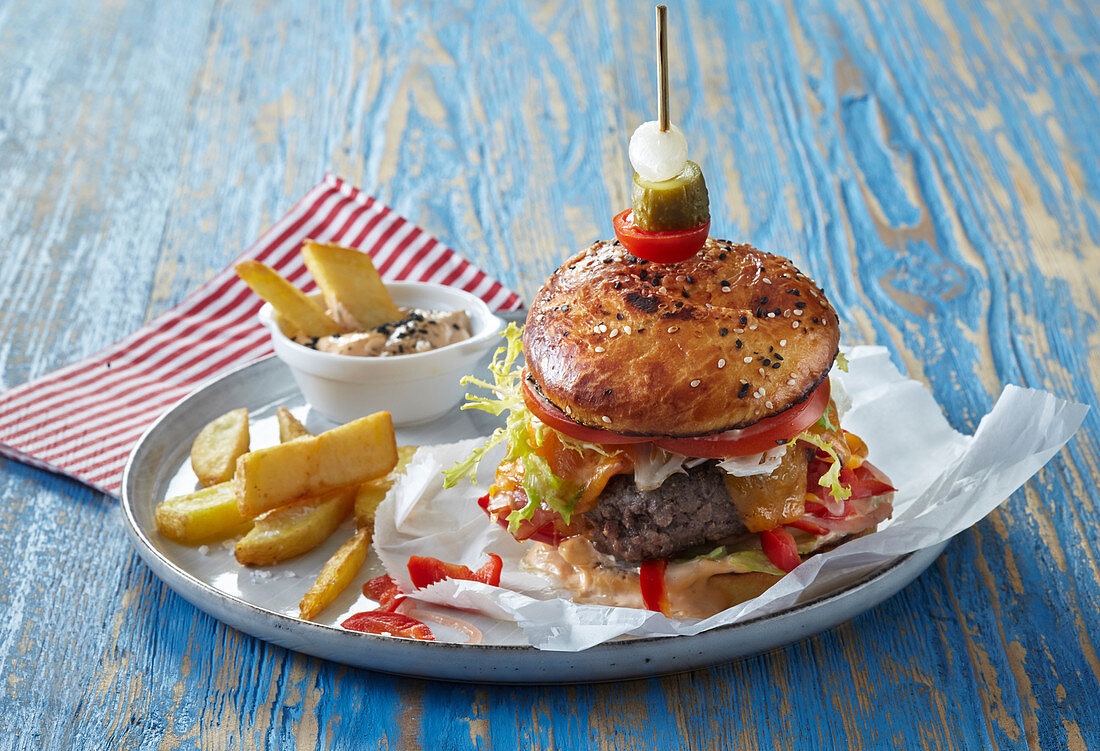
column 395, row 624
column 780, row 547
column 761, row 436
column 652, row 578
column 559, row 421
column 659, row 247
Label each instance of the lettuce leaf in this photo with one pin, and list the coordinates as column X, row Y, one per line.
column 831, row 479
column 523, row 433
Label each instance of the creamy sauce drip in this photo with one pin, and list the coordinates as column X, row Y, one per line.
column 419, row 331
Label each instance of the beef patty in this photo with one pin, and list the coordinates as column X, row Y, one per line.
column 687, row 509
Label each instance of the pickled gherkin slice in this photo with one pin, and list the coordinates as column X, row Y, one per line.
column 677, row 204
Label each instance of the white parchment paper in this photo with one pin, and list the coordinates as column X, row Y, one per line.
column 946, row 482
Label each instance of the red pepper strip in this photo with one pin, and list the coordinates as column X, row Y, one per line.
column 652, row 578
column 808, row 526
column 394, row 624
column 490, row 572
column 424, row 570
column 780, row 548
column 384, row 591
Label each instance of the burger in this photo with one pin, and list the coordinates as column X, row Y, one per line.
column 672, row 438
column 672, row 441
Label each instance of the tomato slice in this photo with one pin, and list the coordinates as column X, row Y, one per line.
column 652, row 578
column 659, row 247
column 758, row 437
column 394, row 624
column 559, row 421
column 780, row 547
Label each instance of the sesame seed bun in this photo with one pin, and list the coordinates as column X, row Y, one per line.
column 722, row 340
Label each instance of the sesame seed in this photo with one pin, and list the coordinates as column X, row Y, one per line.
column 771, row 315
column 782, row 342
column 695, row 383
column 739, row 344
column 790, row 382
column 721, row 364
column 797, row 312
column 614, row 333
column 748, row 359
column 762, row 392
column 600, row 349
column 626, row 330
column 619, row 316
column 673, row 329
column 689, row 279
column 602, row 328
column 768, row 404
column 753, row 327
column 794, row 325
column 767, row 280
column 723, row 331
column 606, row 419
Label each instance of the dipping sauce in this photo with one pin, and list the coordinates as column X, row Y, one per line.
column 419, row 331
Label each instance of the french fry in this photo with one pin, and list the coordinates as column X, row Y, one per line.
column 336, row 574
column 207, row 514
column 216, row 448
column 302, row 314
column 289, row 426
column 371, row 493
column 295, row 528
column 351, row 454
column 348, row 280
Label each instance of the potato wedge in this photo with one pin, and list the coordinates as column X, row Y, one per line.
column 336, row 574
column 202, row 516
column 351, row 454
column 297, row 312
column 216, row 448
column 371, row 493
column 350, row 283
column 295, row 528
column 289, row 426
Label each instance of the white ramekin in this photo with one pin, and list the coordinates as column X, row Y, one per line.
column 413, row 388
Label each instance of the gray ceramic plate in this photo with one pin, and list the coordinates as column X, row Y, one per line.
column 264, row 602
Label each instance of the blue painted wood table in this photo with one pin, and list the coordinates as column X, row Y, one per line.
column 935, row 165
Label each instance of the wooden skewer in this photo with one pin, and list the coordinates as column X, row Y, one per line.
column 663, row 116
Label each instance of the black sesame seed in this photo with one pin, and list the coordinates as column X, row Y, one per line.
column 744, row 320
column 800, row 304
column 684, row 292
column 643, row 275
column 744, row 390
column 689, row 279
column 766, row 362
column 759, row 313
column 723, row 332
column 638, row 331
column 721, row 256
column 619, row 316
column 775, row 365
column 679, row 303
column 778, row 356
column 563, row 308
column 739, row 344
column 794, row 292
column 779, row 441
column 816, row 321
column 607, row 260
column 607, row 393
column 763, row 301
column 616, row 243
column 725, row 283
column 618, row 285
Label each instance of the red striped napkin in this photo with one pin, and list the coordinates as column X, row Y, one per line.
column 83, row 420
